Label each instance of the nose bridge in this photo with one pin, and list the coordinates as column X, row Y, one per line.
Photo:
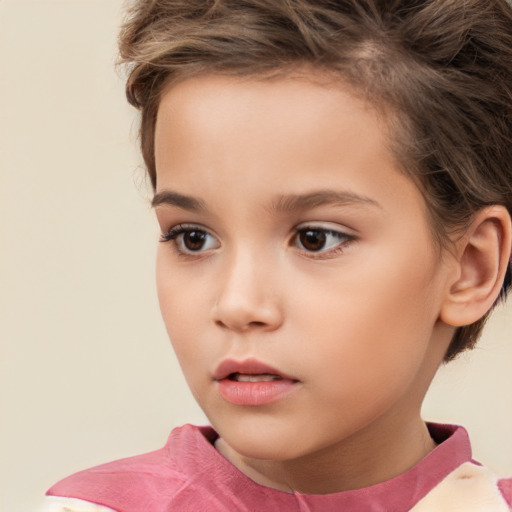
column 248, row 295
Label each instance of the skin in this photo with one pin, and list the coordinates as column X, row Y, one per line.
column 357, row 323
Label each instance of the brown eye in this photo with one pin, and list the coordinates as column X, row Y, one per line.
column 194, row 240
column 312, row 239
column 318, row 239
column 190, row 239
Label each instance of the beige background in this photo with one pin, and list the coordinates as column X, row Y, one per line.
column 87, row 371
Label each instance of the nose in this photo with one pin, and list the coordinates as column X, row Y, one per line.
column 248, row 298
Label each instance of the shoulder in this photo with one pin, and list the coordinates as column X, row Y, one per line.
column 472, row 488
column 142, row 482
column 505, row 487
column 57, row 504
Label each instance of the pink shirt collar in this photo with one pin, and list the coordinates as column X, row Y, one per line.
column 399, row 494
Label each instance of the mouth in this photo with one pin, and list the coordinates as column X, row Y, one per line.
column 252, row 383
column 244, row 377
column 248, row 370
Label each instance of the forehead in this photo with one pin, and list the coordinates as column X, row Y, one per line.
column 307, row 86
column 304, row 110
column 293, row 134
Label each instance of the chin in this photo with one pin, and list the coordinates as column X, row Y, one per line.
column 260, row 443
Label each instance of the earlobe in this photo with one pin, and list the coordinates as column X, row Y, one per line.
column 482, row 258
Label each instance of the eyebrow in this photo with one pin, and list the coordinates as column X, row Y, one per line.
column 297, row 202
column 283, row 204
column 182, row 201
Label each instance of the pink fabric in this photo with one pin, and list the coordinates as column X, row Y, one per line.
column 189, row 474
column 505, row 486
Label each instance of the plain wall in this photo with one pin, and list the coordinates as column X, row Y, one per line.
column 87, row 371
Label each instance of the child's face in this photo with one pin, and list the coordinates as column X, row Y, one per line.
column 295, row 241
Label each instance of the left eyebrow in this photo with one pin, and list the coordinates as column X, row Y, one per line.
column 297, row 202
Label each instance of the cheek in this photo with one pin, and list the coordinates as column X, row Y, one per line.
column 371, row 327
column 181, row 308
column 183, row 290
column 183, row 330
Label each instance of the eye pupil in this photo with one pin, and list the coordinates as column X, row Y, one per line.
column 312, row 239
column 194, row 240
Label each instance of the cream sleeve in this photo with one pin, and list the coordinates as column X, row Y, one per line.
column 57, row 504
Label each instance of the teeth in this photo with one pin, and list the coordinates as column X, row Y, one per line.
column 240, row 377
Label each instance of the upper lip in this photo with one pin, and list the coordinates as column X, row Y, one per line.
column 248, row 367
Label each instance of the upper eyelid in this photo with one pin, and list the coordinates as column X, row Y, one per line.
column 325, row 226
column 181, row 228
column 189, row 226
column 343, row 233
column 317, row 225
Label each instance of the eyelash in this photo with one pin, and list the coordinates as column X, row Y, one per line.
column 345, row 240
column 173, row 236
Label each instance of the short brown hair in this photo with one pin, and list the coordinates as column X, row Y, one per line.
column 443, row 68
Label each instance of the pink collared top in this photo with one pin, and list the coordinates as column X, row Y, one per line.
column 188, row 474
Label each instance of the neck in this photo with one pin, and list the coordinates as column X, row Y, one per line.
column 373, row 455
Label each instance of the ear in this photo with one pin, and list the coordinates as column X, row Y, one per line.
column 481, row 259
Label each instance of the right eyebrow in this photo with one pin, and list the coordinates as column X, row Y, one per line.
column 171, row 198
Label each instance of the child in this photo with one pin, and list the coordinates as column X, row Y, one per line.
column 333, row 184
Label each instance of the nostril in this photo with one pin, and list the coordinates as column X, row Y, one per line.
column 249, row 325
column 256, row 324
column 220, row 323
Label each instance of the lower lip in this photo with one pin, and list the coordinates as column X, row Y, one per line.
column 255, row 393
